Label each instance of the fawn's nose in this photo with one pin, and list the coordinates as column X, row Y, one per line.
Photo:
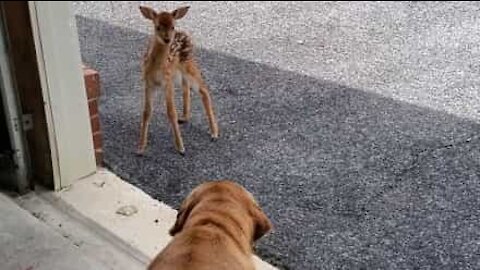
column 167, row 40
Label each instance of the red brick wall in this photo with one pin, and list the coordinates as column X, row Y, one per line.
column 92, row 84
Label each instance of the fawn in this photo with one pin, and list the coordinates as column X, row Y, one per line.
column 170, row 54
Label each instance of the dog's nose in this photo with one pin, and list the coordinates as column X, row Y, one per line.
column 167, row 40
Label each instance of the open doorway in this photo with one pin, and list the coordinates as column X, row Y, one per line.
column 13, row 155
column 45, row 94
column 6, row 160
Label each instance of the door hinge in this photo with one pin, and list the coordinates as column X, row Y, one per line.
column 27, row 122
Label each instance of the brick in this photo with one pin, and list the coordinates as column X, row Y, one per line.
column 99, row 157
column 97, row 140
column 93, row 107
column 95, row 123
column 92, row 83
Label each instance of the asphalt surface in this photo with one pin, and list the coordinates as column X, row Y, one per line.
column 354, row 124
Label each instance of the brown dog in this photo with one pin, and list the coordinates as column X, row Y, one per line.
column 216, row 227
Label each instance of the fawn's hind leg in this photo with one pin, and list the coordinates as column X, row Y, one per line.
column 196, row 76
column 146, row 117
column 186, row 101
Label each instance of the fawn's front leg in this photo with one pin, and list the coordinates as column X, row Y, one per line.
column 147, row 115
column 186, row 102
column 172, row 115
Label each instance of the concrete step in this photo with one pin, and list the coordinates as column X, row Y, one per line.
column 40, row 232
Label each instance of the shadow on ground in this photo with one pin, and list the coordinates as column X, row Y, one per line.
column 350, row 179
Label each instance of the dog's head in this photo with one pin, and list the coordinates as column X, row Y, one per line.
column 164, row 22
column 261, row 223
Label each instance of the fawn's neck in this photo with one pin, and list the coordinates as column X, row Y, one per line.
column 159, row 51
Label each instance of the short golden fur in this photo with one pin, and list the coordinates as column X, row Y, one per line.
column 216, row 227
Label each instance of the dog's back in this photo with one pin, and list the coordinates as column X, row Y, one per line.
column 202, row 249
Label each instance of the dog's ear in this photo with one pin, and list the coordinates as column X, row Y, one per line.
column 148, row 12
column 183, row 214
column 262, row 224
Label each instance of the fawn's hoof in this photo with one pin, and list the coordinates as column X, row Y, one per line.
column 181, row 151
column 140, row 152
column 214, row 137
column 182, row 120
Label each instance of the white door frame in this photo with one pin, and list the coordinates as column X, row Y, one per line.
column 63, row 90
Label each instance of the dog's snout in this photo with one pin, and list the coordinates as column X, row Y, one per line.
column 167, row 40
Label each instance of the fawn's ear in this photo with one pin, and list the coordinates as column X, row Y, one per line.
column 148, row 13
column 180, row 12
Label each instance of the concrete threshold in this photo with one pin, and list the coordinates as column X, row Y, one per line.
column 104, row 205
column 47, row 238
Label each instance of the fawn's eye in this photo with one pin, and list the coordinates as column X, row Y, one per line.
column 158, row 28
column 172, row 28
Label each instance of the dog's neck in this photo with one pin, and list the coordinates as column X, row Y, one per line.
column 240, row 231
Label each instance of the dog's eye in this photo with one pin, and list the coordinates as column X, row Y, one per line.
column 158, row 28
column 173, row 28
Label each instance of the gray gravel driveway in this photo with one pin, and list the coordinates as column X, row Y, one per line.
column 355, row 124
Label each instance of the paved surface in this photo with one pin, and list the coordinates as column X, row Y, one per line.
column 28, row 243
column 354, row 124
